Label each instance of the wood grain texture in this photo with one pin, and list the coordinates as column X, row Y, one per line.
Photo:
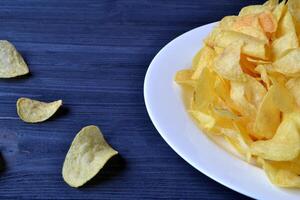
column 94, row 54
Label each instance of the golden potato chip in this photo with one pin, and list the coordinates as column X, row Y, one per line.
column 227, row 65
column 237, row 94
column 203, row 59
column 268, row 117
column 185, row 77
column 11, row 62
column 284, row 146
column 294, row 8
column 285, row 102
column 33, row 111
column 86, row 157
column 286, row 24
column 293, row 86
column 262, row 69
column 254, row 91
column 252, row 46
column 279, row 11
column 204, row 90
column 280, row 176
column 284, row 43
column 249, row 25
column 268, row 22
column 205, row 121
column 289, row 64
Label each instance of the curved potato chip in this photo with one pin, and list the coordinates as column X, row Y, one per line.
column 279, row 11
column 252, row 46
column 286, row 102
column 203, row 59
column 227, row 65
column 289, row 64
column 205, row 121
column 254, row 91
column 11, row 62
column 283, row 44
column 294, row 8
column 263, row 75
column 86, row 157
column 286, row 24
column 204, row 90
column 238, row 96
column 268, row 22
column 254, row 9
column 268, row 117
column 33, row 111
column 184, row 77
column 293, row 85
column 284, row 146
column 280, row 176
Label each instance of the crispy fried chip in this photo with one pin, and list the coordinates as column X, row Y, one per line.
column 268, row 117
column 33, row 111
column 227, row 65
column 252, row 46
column 203, row 59
column 11, row 62
column 281, row 176
column 86, row 157
column 284, row 146
column 184, row 77
column 294, row 87
column 289, row 64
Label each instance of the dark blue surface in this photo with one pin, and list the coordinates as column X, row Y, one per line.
column 94, row 56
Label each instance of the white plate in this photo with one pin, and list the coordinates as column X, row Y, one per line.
column 166, row 109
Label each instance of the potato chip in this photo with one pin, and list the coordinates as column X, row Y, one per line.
column 227, row 65
column 293, row 86
column 184, row 77
column 204, row 90
column 284, row 146
column 281, row 176
column 294, row 8
column 279, row 11
column 11, row 62
column 252, row 46
column 268, row 117
column 262, row 69
column 286, row 102
column 237, row 94
column 33, row 111
column 205, row 121
column 284, row 43
column 87, row 155
column 289, row 64
column 286, row 24
column 203, row 59
column 268, row 22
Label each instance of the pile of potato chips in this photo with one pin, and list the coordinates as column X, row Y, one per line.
column 245, row 86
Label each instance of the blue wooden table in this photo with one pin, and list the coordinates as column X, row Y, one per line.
column 94, row 54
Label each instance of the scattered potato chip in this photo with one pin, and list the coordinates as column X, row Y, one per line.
column 247, row 87
column 11, row 62
column 86, row 157
column 33, row 111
